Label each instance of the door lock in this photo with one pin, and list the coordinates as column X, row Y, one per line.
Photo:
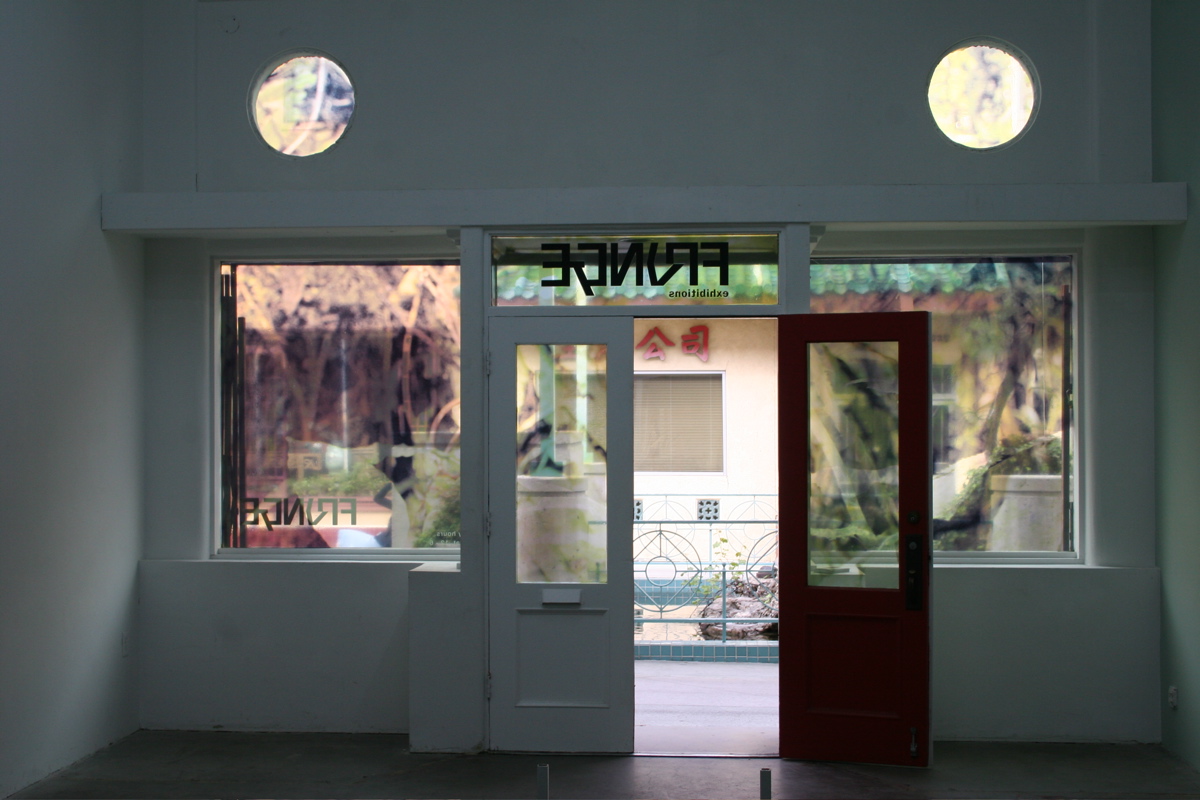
column 914, row 572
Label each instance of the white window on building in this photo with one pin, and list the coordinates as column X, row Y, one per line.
column 678, row 422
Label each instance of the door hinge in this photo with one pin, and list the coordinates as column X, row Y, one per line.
column 488, row 686
column 487, row 526
column 912, row 746
column 487, row 363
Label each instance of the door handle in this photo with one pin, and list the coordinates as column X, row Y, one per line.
column 914, row 572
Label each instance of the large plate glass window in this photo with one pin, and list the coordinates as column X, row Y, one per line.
column 1001, row 381
column 340, row 405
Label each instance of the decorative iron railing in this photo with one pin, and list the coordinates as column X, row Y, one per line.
column 708, row 562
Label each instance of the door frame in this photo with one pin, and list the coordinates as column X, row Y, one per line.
column 794, row 247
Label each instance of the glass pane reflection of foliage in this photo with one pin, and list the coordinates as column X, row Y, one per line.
column 352, row 402
column 981, row 96
column 304, row 105
column 561, row 452
column 854, row 446
column 1001, row 331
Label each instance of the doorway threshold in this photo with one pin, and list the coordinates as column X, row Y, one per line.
column 710, row 710
column 711, row 742
column 706, row 755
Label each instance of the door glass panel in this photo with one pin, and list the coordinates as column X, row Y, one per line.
column 853, row 513
column 562, row 463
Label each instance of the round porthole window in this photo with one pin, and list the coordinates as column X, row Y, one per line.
column 303, row 105
column 983, row 95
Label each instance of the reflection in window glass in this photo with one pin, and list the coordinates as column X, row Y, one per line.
column 1001, row 379
column 853, row 482
column 341, row 405
column 562, row 465
column 303, row 106
column 636, row 270
column 981, row 96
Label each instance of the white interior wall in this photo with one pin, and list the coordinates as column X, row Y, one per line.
column 70, row 319
column 1116, row 408
column 1177, row 374
column 1045, row 654
column 1006, row 639
column 261, row 645
column 233, row 645
column 300, row 646
column 545, row 95
column 542, row 94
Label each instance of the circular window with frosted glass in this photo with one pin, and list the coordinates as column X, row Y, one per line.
column 983, row 95
column 303, row 105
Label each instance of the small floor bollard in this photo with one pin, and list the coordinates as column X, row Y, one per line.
column 544, row 782
column 764, row 784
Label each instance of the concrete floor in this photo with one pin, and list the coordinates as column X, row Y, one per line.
column 168, row 764
column 694, row 708
column 680, row 710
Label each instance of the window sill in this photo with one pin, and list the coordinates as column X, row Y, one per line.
column 997, row 559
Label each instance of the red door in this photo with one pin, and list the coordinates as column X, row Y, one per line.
column 855, row 502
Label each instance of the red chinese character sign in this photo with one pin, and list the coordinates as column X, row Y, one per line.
column 694, row 343
column 588, row 271
column 654, row 341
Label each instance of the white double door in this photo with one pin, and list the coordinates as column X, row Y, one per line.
column 854, row 663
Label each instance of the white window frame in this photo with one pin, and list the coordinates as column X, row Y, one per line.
column 724, row 423
column 219, row 552
column 1077, row 556
column 476, row 307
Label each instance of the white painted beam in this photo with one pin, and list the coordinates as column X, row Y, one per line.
column 197, row 213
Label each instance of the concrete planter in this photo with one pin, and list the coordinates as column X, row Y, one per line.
column 554, row 542
column 1027, row 512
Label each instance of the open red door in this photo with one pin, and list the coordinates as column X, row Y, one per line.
column 854, row 508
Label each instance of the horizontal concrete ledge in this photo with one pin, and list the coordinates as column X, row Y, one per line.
column 397, row 212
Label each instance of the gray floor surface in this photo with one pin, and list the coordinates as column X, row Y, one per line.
column 220, row 764
column 690, row 707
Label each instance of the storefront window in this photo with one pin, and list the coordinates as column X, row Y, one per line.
column 1001, row 388
column 340, row 406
